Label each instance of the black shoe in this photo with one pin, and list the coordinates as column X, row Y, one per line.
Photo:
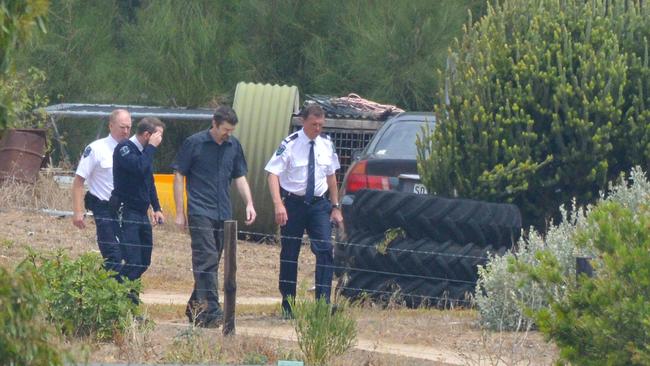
column 287, row 314
column 286, row 310
column 134, row 297
column 335, row 309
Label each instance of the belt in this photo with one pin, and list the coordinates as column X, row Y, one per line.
column 294, row 196
column 97, row 198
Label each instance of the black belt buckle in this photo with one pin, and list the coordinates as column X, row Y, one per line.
column 293, row 196
column 317, row 198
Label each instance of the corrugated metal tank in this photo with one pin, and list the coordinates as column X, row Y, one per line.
column 264, row 113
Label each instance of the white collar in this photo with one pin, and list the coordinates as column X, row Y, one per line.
column 137, row 143
column 111, row 140
column 303, row 136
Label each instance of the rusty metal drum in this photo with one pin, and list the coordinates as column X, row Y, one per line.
column 21, row 154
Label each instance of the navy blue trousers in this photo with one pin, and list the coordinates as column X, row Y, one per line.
column 315, row 218
column 108, row 232
column 137, row 242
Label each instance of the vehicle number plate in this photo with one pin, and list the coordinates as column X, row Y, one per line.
column 419, row 189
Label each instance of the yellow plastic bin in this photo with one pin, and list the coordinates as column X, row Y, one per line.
column 165, row 188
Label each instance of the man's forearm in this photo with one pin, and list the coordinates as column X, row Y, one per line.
column 333, row 189
column 77, row 194
column 244, row 190
column 274, row 188
column 179, row 200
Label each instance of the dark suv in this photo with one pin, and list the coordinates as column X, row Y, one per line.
column 389, row 160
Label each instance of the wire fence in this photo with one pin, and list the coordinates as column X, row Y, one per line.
column 390, row 290
column 384, row 295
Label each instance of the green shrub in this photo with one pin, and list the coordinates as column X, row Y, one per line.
column 82, row 297
column 25, row 337
column 505, row 295
column 502, row 295
column 604, row 319
column 547, row 103
column 18, row 20
column 321, row 334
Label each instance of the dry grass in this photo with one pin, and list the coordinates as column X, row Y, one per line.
column 44, row 194
column 184, row 344
column 22, row 226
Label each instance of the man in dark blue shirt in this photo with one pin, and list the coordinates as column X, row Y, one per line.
column 208, row 162
column 134, row 192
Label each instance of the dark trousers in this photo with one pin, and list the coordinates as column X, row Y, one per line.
column 207, row 245
column 315, row 218
column 108, row 232
column 137, row 242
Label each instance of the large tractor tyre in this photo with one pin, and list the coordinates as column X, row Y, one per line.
column 348, row 252
column 434, row 260
column 359, row 285
column 439, row 219
column 422, row 258
column 467, row 221
column 374, row 210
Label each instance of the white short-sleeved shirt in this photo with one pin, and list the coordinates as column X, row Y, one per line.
column 96, row 167
column 292, row 157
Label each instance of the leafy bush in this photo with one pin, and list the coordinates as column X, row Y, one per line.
column 82, row 297
column 18, row 19
column 547, row 103
column 321, row 334
column 504, row 294
column 26, row 90
column 605, row 319
column 25, row 337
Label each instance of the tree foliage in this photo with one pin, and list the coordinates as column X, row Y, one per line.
column 17, row 21
column 78, row 53
column 169, row 52
column 547, row 102
column 26, row 91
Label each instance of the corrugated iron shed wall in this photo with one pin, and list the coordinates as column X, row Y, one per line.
column 264, row 113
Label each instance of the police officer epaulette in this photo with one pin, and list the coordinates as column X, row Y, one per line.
column 290, row 138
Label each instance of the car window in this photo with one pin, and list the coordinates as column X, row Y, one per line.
column 398, row 140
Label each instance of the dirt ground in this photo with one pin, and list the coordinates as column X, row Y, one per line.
column 396, row 336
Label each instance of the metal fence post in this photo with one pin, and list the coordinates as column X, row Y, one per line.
column 583, row 266
column 229, row 276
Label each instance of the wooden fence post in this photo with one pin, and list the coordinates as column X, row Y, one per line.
column 229, row 276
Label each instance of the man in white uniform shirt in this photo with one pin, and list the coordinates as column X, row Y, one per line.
column 96, row 168
column 301, row 173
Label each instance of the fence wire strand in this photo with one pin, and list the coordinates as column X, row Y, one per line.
column 333, row 266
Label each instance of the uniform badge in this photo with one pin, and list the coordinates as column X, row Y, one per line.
column 87, row 151
column 124, row 151
column 280, row 150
